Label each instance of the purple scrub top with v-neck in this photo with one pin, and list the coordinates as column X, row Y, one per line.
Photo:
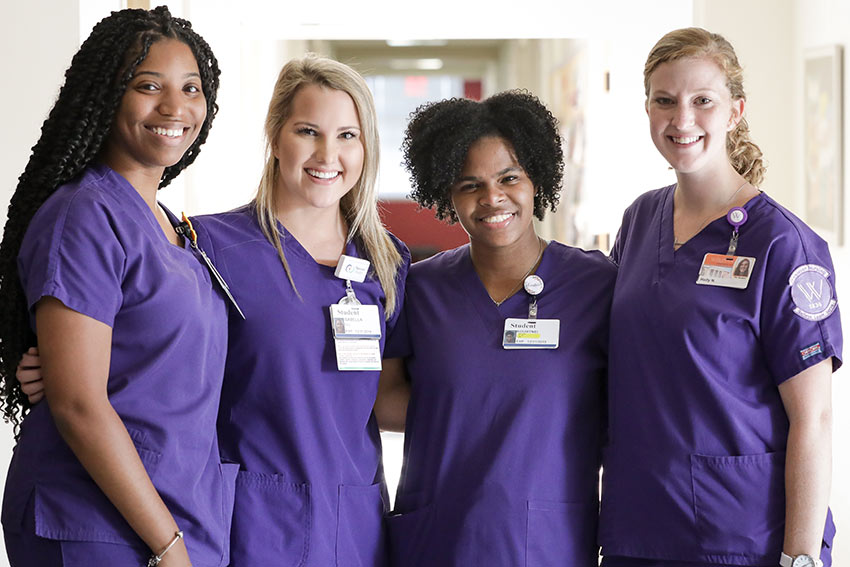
column 695, row 463
column 311, row 489
column 96, row 246
column 501, row 447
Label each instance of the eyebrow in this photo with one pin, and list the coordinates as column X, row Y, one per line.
column 156, row 74
column 697, row 91
column 504, row 171
column 317, row 127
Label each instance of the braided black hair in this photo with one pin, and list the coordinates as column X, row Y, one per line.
column 72, row 136
column 439, row 135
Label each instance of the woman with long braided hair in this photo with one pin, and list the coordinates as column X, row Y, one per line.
column 131, row 332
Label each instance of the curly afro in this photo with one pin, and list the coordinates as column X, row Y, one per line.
column 439, row 135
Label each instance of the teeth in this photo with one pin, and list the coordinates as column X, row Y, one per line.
column 689, row 140
column 497, row 218
column 322, row 174
column 168, row 133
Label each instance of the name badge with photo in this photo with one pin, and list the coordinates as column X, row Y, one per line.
column 531, row 333
column 721, row 270
column 357, row 333
column 355, row 321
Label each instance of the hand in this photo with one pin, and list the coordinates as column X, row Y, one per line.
column 29, row 375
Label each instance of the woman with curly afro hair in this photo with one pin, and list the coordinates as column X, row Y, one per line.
column 503, row 350
column 131, row 332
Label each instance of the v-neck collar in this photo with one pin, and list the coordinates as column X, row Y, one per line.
column 514, row 306
column 697, row 243
column 291, row 245
column 144, row 212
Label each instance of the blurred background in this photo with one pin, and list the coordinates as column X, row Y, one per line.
column 583, row 59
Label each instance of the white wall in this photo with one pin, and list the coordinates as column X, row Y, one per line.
column 32, row 66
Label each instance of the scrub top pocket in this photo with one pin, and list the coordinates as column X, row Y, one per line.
column 360, row 540
column 58, row 506
column 560, row 531
column 739, row 503
column 271, row 522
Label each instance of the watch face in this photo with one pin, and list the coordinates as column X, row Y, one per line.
column 803, row 561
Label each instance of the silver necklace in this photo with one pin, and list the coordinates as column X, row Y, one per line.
column 522, row 279
column 709, row 217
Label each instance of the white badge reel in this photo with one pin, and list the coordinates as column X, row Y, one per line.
column 531, row 333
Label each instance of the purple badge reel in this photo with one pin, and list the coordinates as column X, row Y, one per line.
column 736, row 216
column 812, row 293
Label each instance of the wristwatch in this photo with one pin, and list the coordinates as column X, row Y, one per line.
column 799, row 561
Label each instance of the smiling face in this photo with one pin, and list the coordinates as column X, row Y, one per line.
column 161, row 113
column 494, row 197
column 319, row 149
column 690, row 112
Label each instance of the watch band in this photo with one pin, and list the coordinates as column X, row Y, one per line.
column 786, row 560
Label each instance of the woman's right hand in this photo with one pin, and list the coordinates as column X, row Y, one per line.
column 28, row 374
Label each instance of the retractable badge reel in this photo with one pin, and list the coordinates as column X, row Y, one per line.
column 187, row 231
column 356, row 327
column 728, row 270
column 531, row 333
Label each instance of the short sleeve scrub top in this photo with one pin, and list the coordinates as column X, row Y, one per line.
column 96, row 246
column 502, row 447
column 695, row 460
column 311, row 489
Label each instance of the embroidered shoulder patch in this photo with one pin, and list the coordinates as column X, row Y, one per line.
column 810, row 351
column 812, row 293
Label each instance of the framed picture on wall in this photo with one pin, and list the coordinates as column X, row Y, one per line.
column 823, row 141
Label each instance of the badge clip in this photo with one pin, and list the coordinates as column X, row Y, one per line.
column 533, row 285
column 186, row 230
column 736, row 216
column 350, row 297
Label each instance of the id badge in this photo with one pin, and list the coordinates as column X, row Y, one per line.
column 358, row 354
column 355, row 321
column 720, row 270
column 531, row 333
column 357, row 333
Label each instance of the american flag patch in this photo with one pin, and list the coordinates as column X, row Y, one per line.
column 810, row 351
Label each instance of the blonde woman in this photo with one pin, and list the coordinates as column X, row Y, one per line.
column 310, row 490
column 719, row 393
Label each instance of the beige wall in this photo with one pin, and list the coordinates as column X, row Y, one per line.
column 818, row 23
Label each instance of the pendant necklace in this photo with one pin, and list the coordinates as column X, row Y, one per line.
column 709, row 217
column 522, row 279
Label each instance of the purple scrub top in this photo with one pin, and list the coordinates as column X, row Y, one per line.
column 96, row 246
column 311, row 488
column 501, row 447
column 694, row 469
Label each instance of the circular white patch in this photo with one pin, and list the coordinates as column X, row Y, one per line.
column 812, row 293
